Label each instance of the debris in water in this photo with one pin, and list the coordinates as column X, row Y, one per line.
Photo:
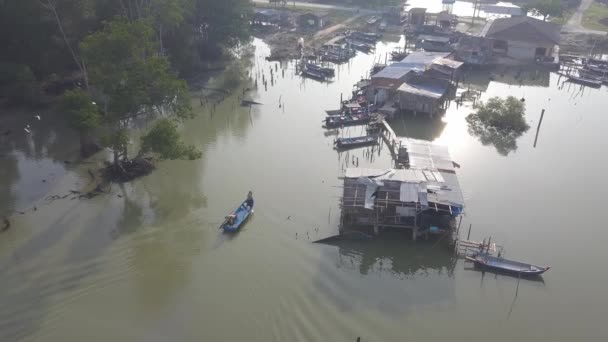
column 7, row 224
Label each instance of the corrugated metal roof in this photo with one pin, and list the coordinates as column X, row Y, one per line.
column 448, row 63
column 416, row 61
column 430, row 38
column 430, row 164
column 442, row 187
column 426, row 90
column 393, row 72
column 423, row 57
column 428, row 156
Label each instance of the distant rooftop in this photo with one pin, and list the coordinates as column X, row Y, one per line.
column 525, row 29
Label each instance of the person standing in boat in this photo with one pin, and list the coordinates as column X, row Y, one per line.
column 249, row 201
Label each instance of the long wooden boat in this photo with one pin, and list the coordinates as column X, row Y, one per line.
column 585, row 81
column 317, row 75
column 593, row 76
column 241, row 214
column 329, row 72
column 361, row 46
column 334, row 112
column 347, row 120
column 602, row 69
column 496, row 264
column 366, row 140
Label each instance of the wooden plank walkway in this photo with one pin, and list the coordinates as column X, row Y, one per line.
column 391, row 139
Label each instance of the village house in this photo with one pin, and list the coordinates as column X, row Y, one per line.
column 311, row 21
column 424, row 197
column 269, row 16
column 473, row 50
column 420, row 83
column 521, row 39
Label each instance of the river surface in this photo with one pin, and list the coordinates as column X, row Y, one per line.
column 147, row 262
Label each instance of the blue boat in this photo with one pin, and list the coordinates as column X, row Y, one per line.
column 500, row 265
column 237, row 219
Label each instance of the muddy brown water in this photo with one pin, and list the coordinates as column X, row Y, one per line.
column 151, row 265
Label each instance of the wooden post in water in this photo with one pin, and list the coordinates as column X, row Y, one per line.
column 542, row 114
column 469, row 234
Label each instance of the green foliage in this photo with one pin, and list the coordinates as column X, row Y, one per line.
column 223, row 23
column 116, row 140
column 499, row 122
column 164, row 140
column 234, row 75
column 18, row 84
column 123, row 63
column 83, row 115
column 545, row 8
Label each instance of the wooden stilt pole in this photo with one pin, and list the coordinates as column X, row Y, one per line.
column 542, row 114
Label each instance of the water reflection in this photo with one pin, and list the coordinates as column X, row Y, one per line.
column 9, row 174
column 393, row 275
column 528, row 76
column 505, row 141
column 418, row 127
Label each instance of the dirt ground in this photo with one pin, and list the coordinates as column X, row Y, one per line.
column 583, row 44
column 284, row 42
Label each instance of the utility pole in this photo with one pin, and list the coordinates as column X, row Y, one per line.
column 476, row 10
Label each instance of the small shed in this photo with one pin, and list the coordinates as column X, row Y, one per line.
column 311, row 21
column 445, row 20
column 423, row 94
column 416, row 16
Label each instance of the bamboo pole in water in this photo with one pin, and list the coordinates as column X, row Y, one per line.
column 542, row 114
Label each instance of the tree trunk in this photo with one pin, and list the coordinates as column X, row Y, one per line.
column 160, row 38
column 80, row 65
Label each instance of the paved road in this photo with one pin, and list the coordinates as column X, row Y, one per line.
column 574, row 23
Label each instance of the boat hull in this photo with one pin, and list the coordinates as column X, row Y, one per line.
column 499, row 265
column 242, row 215
column 346, row 143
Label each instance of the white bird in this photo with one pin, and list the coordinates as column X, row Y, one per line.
column 94, row 103
column 27, row 126
column 37, row 117
column 27, row 131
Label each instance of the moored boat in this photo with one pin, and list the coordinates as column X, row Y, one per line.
column 317, row 75
column 594, row 83
column 500, row 265
column 347, row 120
column 344, row 143
column 329, row 72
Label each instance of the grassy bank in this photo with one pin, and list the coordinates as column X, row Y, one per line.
column 596, row 17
